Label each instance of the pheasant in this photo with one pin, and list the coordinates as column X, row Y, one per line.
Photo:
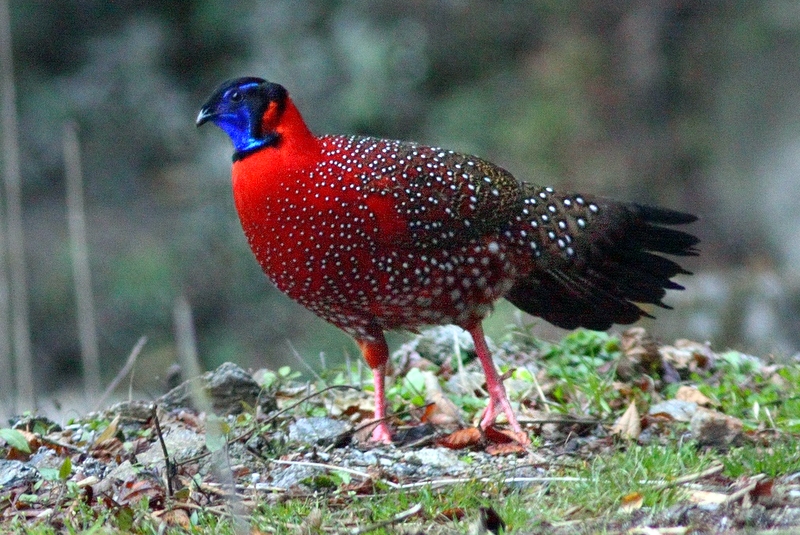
column 375, row 234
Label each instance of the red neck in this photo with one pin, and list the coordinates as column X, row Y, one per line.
column 297, row 149
column 297, row 144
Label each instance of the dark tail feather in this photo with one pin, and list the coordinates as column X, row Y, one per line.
column 617, row 263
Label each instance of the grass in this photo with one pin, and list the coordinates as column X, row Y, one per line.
column 605, row 479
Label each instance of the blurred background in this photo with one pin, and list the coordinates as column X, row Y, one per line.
column 693, row 105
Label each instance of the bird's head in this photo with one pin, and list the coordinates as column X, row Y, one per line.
column 248, row 110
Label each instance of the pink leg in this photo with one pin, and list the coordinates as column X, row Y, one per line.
column 380, row 433
column 376, row 353
column 498, row 399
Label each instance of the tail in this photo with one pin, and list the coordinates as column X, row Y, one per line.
column 594, row 259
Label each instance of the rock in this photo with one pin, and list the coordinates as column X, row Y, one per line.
column 433, row 458
column 712, row 428
column 181, row 444
column 291, row 476
column 681, row 411
column 312, row 431
column 437, row 345
column 13, row 473
column 229, row 388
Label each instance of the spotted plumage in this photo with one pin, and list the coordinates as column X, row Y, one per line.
column 374, row 234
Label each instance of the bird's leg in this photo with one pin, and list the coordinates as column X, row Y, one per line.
column 376, row 353
column 498, row 399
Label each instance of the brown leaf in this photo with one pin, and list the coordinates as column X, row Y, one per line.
column 660, row 417
column 505, row 449
column 505, row 436
column 108, row 449
column 441, row 411
column 451, row 514
column 362, row 487
column 176, row 517
column 692, row 394
column 631, row 502
column 628, row 425
column 688, row 355
column 463, row 438
column 505, row 441
column 640, row 352
column 133, row 491
column 763, row 488
column 34, row 443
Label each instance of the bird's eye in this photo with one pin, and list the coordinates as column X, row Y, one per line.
column 236, row 96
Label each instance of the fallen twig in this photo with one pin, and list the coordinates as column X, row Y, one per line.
column 169, row 466
column 399, row 517
column 690, row 477
column 746, row 490
column 455, row 481
column 134, row 354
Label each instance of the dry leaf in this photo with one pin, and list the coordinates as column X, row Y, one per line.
column 640, row 352
column 463, row 438
column 703, row 496
column 628, row 425
column 505, row 449
column 631, row 502
column 108, row 449
column 34, row 443
column 451, row 514
column 177, row 517
column 505, row 441
column 132, row 491
column 109, row 432
column 763, row 488
column 688, row 355
column 692, row 394
column 441, row 411
column 505, row 436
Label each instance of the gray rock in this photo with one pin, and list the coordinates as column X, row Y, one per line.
column 680, row 410
column 315, row 430
column 13, row 473
column 712, row 428
column 228, row 388
column 182, row 443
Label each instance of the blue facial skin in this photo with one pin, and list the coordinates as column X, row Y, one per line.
column 237, row 108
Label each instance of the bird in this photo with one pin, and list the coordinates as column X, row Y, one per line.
column 375, row 235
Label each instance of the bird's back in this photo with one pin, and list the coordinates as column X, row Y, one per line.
column 376, row 234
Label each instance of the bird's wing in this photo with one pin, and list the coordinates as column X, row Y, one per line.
column 428, row 197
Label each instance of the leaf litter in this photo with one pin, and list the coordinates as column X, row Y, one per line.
column 586, row 399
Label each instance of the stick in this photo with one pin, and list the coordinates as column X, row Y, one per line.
column 123, row 372
column 394, row 520
column 169, row 466
column 299, row 359
column 79, row 249
column 331, row 467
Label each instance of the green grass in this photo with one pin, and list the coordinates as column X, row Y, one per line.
column 583, row 486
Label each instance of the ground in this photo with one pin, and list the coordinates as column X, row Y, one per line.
column 627, row 435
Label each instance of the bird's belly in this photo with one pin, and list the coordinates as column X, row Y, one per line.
column 363, row 288
column 457, row 285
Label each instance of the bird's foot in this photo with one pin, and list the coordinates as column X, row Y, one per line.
column 498, row 400
column 381, row 433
